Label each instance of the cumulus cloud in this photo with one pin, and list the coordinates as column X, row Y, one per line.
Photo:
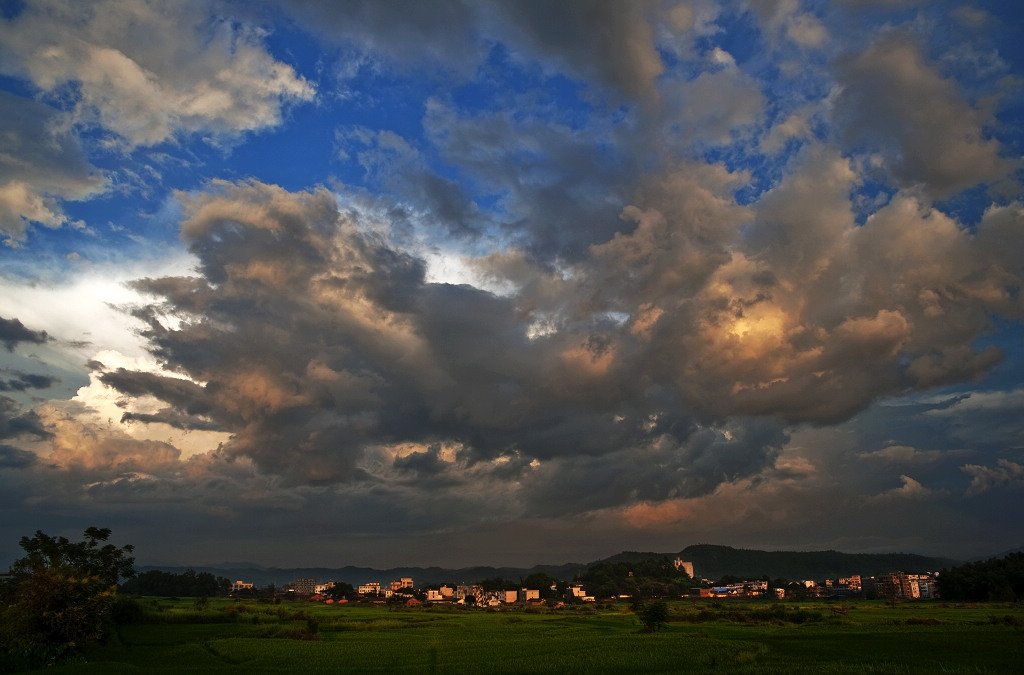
column 41, row 164
column 148, row 71
column 985, row 478
column 311, row 342
column 896, row 103
column 784, row 19
column 314, row 342
column 715, row 108
column 77, row 446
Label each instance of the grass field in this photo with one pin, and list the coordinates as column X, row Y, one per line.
column 702, row 637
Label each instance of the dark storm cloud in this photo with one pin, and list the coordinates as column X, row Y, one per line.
column 315, row 342
column 15, row 458
column 24, row 382
column 183, row 394
column 562, row 187
column 603, row 42
column 173, row 418
column 320, row 347
column 13, row 331
column 15, row 423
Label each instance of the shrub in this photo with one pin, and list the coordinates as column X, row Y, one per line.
column 125, row 610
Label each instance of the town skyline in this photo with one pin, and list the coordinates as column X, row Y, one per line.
column 512, row 282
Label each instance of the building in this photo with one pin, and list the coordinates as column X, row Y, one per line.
column 304, row 586
column 902, row 586
column 241, row 586
column 467, row 594
column 580, row 594
column 371, row 588
column 684, row 566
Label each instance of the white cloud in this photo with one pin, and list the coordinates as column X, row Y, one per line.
column 40, row 165
column 910, row 489
column 149, row 70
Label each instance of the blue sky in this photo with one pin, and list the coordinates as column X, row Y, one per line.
column 459, row 283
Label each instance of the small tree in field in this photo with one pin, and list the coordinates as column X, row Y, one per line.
column 61, row 593
column 654, row 616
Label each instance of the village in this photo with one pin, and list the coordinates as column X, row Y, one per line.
column 894, row 586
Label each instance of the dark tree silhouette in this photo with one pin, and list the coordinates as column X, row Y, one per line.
column 61, row 593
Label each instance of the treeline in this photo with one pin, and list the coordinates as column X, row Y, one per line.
column 188, row 583
column 650, row 578
column 999, row 579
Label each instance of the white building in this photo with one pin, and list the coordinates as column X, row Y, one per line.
column 371, row 588
column 684, row 566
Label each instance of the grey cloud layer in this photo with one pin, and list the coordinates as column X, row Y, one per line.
column 666, row 327
column 316, row 343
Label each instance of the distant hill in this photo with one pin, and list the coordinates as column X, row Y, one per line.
column 713, row 562
column 264, row 576
column 1019, row 549
column 709, row 561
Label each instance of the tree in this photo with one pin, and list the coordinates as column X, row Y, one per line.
column 547, row 585
column 109, row 563
column 61, row 594
column 999, row 579
column 341, row 590
column 653, row 616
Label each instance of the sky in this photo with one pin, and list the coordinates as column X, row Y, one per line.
column 511, row 282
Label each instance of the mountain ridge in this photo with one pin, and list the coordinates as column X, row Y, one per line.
column 710, row 561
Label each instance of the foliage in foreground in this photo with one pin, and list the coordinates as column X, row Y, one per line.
column 61, row 595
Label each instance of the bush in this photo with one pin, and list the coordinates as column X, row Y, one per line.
column 125, row 610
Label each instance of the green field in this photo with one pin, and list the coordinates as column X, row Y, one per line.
column 702, row 637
